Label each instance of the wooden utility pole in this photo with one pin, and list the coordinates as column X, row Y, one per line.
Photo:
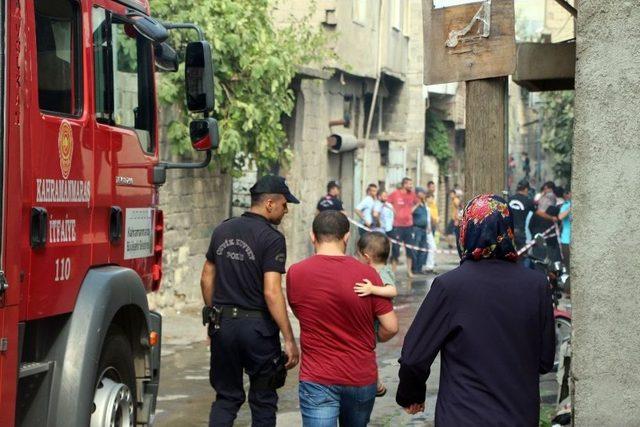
column 475, row 43
column 485, row 152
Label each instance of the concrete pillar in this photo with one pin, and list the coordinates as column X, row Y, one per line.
column 606, row 233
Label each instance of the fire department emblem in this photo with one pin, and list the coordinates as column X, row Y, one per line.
column 65, row 148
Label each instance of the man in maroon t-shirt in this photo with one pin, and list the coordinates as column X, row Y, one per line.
column 338, row 372
column 404, row 201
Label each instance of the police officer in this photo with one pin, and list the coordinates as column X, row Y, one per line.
column 332, row 200
column 521, row 205
column 245, row 307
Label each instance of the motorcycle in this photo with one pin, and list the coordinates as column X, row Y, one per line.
column 558, row 277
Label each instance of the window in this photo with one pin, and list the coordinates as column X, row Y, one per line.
column 384, row 152
column 123, row 77
column 58, row 38
column 101, row 62
column 360, row 11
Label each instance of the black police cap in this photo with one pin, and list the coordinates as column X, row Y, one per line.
column 273, row 184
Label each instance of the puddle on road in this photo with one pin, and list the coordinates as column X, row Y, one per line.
column 172, row 397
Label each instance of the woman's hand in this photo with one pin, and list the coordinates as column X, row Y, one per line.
column 363, row 289
column 414, row 408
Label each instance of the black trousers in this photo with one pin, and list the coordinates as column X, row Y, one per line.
column 243, row 345
column 404, row 235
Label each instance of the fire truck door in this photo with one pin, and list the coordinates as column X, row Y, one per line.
column 62, row 156
column 124, row 69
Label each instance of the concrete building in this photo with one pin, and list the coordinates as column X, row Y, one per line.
column 543, row 19
column 375, row 83
column 605, row 267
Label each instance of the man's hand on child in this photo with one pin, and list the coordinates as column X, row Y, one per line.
column 363, row 288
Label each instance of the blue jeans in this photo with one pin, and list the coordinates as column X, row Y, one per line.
column 325, row 405
column 419, row 257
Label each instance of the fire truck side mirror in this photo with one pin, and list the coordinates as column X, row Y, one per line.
column 146, row 26
column 166, row 58
column 204, row 134
column 199, row 77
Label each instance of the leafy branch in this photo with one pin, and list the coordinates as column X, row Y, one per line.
column 557, row 117
column 254, row 65
column 437, row 140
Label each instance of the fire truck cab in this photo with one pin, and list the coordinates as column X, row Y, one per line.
column 81, row 243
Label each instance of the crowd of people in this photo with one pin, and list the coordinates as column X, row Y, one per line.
column 494, row 337
column 408, row 217
column 534, row 213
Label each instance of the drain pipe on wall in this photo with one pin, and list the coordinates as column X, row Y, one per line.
column 418, row 166
column 374, row 100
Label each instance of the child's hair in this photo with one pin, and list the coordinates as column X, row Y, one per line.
column 376, row 245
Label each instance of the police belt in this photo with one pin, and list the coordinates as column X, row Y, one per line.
column 232, row 312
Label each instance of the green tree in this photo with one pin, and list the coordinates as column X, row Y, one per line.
column 254, row 65
column 556, row 111
column 437, row 140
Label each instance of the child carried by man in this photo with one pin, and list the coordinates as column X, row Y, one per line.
column 374, row 249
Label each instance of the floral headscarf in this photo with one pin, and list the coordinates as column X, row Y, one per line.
column 486, row 230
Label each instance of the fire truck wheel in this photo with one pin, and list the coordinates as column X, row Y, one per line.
column 114, row 398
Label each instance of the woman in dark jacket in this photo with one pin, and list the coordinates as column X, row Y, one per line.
column 491, row 319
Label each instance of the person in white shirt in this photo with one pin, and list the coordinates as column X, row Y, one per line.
column 364, row 210
column 383, row 213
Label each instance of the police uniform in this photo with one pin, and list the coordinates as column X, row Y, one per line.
column 244, row 337
column 329, row 202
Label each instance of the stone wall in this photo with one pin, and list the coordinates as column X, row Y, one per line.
column 605, row 265
column 193, row 202
column 312, row 164
column 317, row 102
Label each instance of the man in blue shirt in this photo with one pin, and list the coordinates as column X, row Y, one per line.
column 383, row 213
column 566, row 218
column 364, row 210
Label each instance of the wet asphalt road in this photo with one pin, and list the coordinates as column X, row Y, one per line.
column 185, row 394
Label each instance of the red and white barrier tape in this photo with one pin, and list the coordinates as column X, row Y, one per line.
column 546, row 233
column 529, row 245
column 412, row 247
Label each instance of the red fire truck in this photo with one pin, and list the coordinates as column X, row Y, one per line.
column 81, row 230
